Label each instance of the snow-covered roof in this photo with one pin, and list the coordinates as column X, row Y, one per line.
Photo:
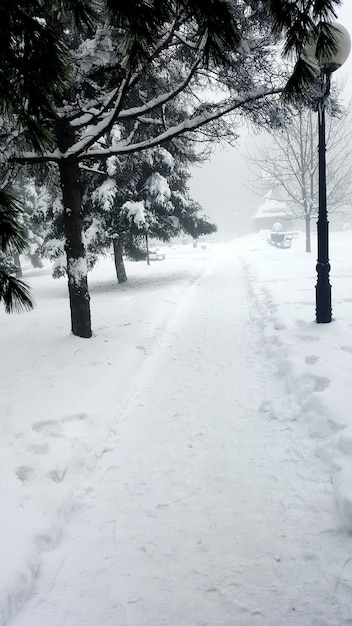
column 271, row 208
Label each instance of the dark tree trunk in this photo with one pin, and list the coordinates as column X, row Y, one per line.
column 119, row 264
column 17, row 263
column 308, row 238
column 74, row 246
column 147, row 248
column 75, row 252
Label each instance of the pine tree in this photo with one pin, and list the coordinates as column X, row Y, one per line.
column 145, row 194
column 31, row 50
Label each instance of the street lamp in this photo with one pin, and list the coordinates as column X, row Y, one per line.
column 327, row 64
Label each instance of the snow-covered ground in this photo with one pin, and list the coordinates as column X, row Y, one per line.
column 191, row 464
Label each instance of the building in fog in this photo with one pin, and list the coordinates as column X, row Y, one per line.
column 271, row 212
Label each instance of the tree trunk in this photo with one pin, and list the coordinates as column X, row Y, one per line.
column 119, row 264
column 308, row 238
column 75, row 252
column 17, row 263
column 147, row 247
column 74, row 246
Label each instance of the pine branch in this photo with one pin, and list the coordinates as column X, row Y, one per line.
column 14, row 293
column 13, row 235
column 298, row 86
column 187, row 125
column 297, row 24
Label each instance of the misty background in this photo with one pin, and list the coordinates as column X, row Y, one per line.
column 221, row 184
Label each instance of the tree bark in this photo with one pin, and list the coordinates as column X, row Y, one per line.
column 308, row 238
column 73, row 226
column 119, row 264
column 74, row 247
column 147, row 247
column 17, row 263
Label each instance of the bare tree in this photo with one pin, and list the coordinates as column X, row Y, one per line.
column 288, row 165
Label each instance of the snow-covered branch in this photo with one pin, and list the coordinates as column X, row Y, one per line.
column 187, row 125
column 123, row 147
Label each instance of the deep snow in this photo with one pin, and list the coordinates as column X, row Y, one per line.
column 191, row 464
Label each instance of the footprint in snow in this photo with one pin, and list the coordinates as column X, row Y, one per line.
column 347, row 349
column 268, row 409
column 24, row 473
column 321, row 383
column 57, row 475
column 75, row 416
column 50, row 426
column 311, row 359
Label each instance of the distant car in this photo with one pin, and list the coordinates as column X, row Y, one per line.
column 154, row 255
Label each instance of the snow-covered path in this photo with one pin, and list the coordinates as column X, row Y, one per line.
column 205, row 509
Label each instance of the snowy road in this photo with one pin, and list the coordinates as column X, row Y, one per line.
column 207, row 508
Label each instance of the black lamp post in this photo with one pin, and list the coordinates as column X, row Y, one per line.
column 323, row 288
column 327, row 65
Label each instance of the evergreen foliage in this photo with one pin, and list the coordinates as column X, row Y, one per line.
column 13, row 236
column 14, row 293
column 155, row 183
column 144, row 22
column 299, row 24
column 151, row 73
column 34, row 69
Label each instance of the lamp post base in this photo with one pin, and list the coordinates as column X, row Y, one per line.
column 323, row 294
